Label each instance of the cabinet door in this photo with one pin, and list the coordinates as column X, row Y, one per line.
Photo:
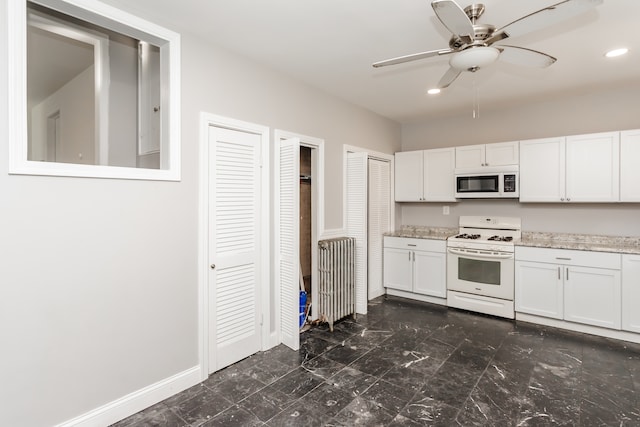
column 542, row 172
column 408, row 176
column 539, row 289
column 592, row 296
column 397, row 269
column 429, row 274
column 630, row 293
column 593, row 167
column 629, row 170
column 439, row 181
column 470, row 156
column 501, row 154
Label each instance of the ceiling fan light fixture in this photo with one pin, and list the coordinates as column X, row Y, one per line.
column 474, row 58
column 616, row 52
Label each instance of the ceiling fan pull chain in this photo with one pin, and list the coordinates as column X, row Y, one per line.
column 476, row 99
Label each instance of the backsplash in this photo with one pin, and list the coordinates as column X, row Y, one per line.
column 611, row 219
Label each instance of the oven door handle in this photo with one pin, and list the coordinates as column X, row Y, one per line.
column 479, row 255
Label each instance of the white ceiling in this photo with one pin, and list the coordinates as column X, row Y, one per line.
column 331, row 44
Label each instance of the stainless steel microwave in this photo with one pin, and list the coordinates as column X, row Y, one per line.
column 488, row 184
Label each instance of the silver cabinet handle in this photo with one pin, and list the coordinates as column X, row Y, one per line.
column 558, row 273
column 562, row 199
column 213, row 266
column 564, row 259
column 567, row 273
column 414, row 257
column 412, row 245
column 409, row 256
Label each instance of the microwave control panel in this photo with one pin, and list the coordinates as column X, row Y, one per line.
column 509, row 183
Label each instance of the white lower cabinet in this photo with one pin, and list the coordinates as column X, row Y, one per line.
column 539, row 289
column 398, row 269
column 415, row 265
column 576, row 286
column 429, row 273
column 592, row 296
column 631, row 293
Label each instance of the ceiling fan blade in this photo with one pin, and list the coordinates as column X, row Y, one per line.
column 527, row 57
column 449, row 77
column 412, row 57
column 546, row 17
column 454, row 18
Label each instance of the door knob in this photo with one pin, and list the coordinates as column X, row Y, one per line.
column 213, row 266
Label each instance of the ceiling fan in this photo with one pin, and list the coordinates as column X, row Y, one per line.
column 471, row 44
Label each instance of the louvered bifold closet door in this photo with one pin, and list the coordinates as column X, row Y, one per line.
column 356, row 200
column 379, row 208
column 288, row 237
column 234, row 212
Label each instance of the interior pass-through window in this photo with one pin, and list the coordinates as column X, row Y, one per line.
column 100, row 93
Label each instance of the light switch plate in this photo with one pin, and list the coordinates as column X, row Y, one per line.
column 445, row 210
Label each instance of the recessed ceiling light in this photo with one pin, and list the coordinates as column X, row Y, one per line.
column 433, row 91
column 616, row 52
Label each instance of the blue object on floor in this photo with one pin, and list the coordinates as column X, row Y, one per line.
column 303, row 306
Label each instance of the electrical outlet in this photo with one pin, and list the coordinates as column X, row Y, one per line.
column 445, row 210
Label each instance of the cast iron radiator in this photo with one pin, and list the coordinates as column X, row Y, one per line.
column 337, row 279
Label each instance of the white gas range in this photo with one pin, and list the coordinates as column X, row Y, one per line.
column 480, row 265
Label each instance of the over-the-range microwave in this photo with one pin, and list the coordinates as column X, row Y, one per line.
column 487, row 183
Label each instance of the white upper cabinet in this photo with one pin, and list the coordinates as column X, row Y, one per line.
column 439, row 181
column 542, row 170
column 409, row 176
column 470, row 156
column 593, row 167
column 502, row 154
column 477, row 156
column 629, row 166
column 581, row 168
column 425, row 176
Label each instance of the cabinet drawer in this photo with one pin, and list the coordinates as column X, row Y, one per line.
column 569, row 257
column 415, row 244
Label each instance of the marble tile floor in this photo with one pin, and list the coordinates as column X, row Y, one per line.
column 408, row 363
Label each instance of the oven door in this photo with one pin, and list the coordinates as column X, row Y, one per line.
column 479, row 272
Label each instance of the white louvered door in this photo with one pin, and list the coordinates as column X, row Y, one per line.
column 288, row 237
column 234, row 244
column 356, row 199
column 379, row 222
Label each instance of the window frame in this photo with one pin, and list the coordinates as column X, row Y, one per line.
column 116, row 20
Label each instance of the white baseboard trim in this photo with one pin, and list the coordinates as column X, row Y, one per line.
column 418, row 297
column 274, row 340
column 578, row 327
column 138, row 400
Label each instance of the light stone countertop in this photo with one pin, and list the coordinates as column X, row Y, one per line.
column 424, row 232
column 580, row 242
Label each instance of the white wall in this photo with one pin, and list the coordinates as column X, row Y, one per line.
column 612, row 109
column 98, row 284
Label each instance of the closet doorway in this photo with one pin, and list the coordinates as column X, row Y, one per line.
column 299, row 221
column 306, row 220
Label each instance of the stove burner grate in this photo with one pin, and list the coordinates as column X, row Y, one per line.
column 467, row 236
column 501, row 238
